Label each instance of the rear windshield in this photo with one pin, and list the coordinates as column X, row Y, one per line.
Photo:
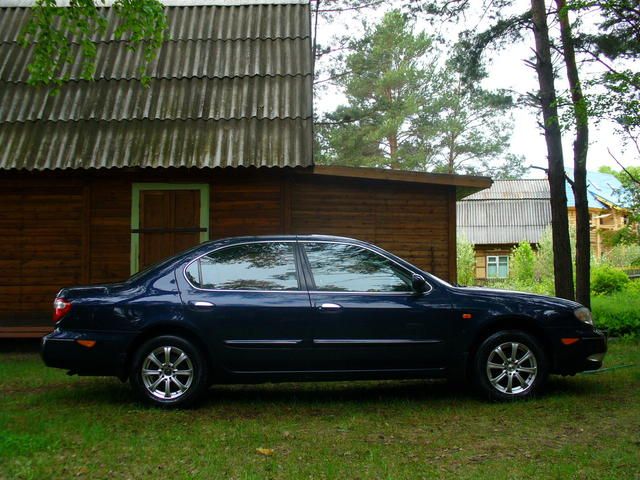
column 160, row 265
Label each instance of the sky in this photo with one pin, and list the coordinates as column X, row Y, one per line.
column 507, row 70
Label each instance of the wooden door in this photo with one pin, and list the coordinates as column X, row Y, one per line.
column 169, row 223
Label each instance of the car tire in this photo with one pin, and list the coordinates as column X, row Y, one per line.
column 510, row 365
column 169, row 371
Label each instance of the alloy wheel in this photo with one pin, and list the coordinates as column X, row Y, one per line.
column 512, row 368
column 167, row 372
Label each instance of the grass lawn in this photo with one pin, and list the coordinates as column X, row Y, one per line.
column 55, row 426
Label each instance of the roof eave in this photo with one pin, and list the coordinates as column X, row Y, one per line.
column 464, row 184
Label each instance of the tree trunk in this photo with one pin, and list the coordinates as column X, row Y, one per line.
column 559, row 217
column 392, row 138
column 580, row 149
column 393, row 149
column 451, row 159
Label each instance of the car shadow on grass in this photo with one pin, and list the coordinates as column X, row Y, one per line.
column 328, row 392
column 106, row 391
column 576, row 386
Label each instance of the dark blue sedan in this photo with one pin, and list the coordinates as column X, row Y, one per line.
column 258, row 309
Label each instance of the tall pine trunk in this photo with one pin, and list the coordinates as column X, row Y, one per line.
column 580, row 149
column 392, row 138
column 559, row 217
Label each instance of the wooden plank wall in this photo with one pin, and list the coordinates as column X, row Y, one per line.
column 246, row 206
column 42, row 241
column 411, row 221
column 67, row 228
column 110, row 229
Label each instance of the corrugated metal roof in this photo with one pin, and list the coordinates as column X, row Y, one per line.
column 231, row 86
column 192, row 98
column 169, row 3
column 188, row 59
column 515, row 210
column 510, row 211
column 140, row 143
column 503, row 221
column 195, row 23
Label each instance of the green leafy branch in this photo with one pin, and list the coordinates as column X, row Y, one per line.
column 59, row 36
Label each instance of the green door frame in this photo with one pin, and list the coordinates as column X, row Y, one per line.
column 135, row 212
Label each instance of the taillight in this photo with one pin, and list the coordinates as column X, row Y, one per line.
column 60, row 308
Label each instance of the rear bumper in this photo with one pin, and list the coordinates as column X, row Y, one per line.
column 61, row 349
column 586, row 354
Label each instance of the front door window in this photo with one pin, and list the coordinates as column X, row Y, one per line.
column 338, row 267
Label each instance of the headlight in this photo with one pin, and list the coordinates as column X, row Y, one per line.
column 584, row 315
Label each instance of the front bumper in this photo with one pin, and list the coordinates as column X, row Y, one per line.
column 586, row 354
column 61, row 349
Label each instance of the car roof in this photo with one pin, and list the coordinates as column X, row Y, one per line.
column 275, row 238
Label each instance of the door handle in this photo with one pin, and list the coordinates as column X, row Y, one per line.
column 329, row 306
column 200, row 305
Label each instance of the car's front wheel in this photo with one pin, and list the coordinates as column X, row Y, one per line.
column 169, row 371
column 510, row 365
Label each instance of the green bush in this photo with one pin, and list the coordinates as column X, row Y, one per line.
column 542, row 287
column 545, row 286
column 633, row 287
column 618, row 313
column 466, row 260
column 606, row 280
column 543, row 264
column 522, row 262
column 622, row 256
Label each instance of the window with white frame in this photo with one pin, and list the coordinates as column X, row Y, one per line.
column 497, row 266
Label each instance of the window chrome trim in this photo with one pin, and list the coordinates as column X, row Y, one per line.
column 246, row 343
column 184, row 269
column 372, row 341
column 302, row 242
column 342, row 292
column 402, row 267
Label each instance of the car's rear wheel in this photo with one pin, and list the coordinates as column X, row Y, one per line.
column 169, row 371
column 510, row 365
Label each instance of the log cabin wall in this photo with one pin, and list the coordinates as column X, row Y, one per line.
column 66, row 228
column 411, row 221
column 246, row 204
column 42, row 238
column 109, row 227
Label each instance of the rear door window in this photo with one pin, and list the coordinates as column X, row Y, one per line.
column 251, row 266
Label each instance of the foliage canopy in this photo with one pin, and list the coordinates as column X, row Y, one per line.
column 409, row 109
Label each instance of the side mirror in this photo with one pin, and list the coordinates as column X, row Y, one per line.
column 418, row 283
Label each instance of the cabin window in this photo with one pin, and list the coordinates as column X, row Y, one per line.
column 498, row 266
column 339, row 267
column 251, row 266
